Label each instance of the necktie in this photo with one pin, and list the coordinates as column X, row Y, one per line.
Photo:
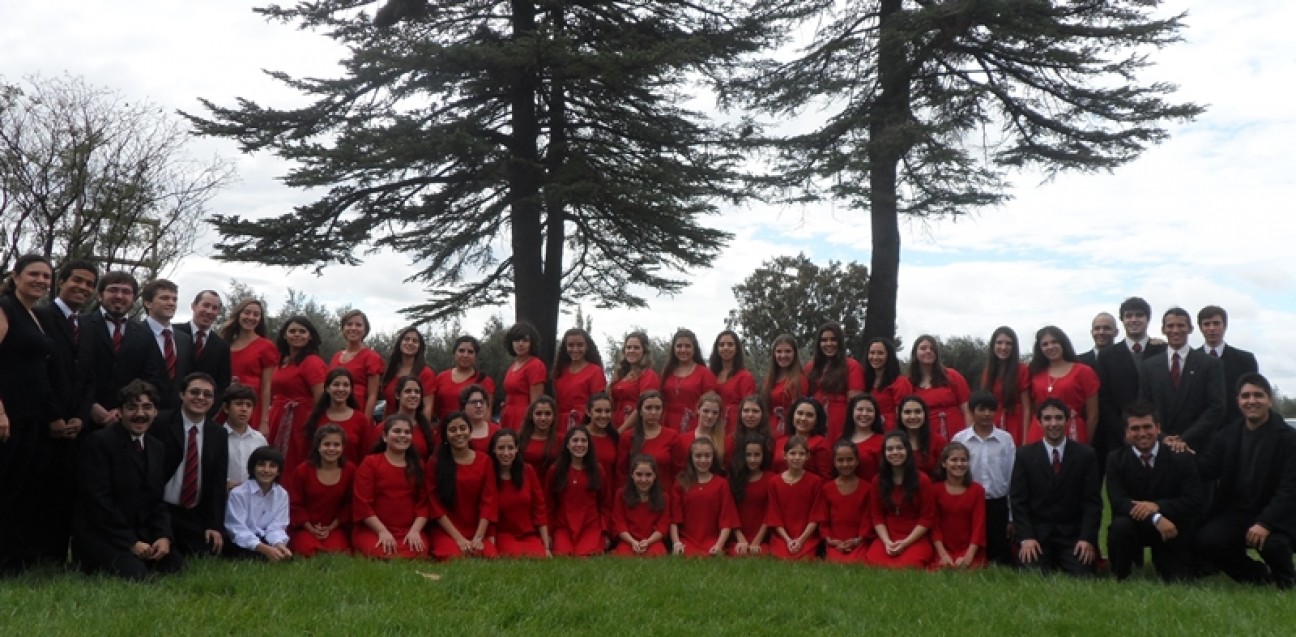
column 199, row 342
column 189, row 486
column 119, row 331
column 76, row 328
column 168, row 353
column 1174, row 369
column 1147, row 459
column 139, row 445
column 1213, row 353
column 1138, row 348
column 1057, row 462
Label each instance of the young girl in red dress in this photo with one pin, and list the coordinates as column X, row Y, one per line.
column 297, row 383
column 577, row 375
column 959, row 535
column 704, row 513
column 365, row 365
column 461, row 483
column 864, row 429
column 684, row 379
column 796, row 506
column 539, row 443
column 522, row 529
column 832, row 377
column 389, row 503
column 641, row 514
column 711, row 425
column 319, row 497
column 408, row 358
column 603, row 434
column 926, row 445
column 881, row 374
column 524, row 381
column 1008, row 379
column 943, row 390
column 632, row 376
column 733, row 381
column 846, row 504
column 807, row 417
column 580, row 506
column 451, row 383
column 336, row 405
column 476, row 406
column 253, row 357
column 651, row 437
column 785, row 383
column 903, row 509
column 749, row 481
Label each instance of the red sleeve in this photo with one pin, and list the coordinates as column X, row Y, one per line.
column 535, row 372
column 1023, row 378
column 313, row 370
column 362, row 492
column 373, row 364
column 297, row 512
column 1088, row 381
column 926, row 504
column 624, row 444
column 866, row 529
column 677, row 505
column 942, row 499
column 433, row 507
column 619, row 523
column 959, row 386
column 679, row 454
column 818, row 509
column 428, row 379
column 708, row 379
column 268, row 356
column 539, row 507
column 488, row 507
column 977, row 493
column 648, row 380
column 746, row 384
column 729, row 518
column 598, row 380
column 773, row 506
column 854, row 376
column 823, row 459
column 662, row 524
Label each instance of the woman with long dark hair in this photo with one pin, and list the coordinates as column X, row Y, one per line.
column 409, row 358
column 943, row 389
column 253, row 358
column 319, row 495
column 632, row 376
column 523, row 526
column 1008, row 379
column 365, row 365
column 389, row 500
column 750, row 481
column 1056, row 373
column 652, row 438
column 684, row 379
column 452, row 382
column 925, row 445
column 903, row 509
column 733, row 381
column 337, row 405
column 297, row 383
column 525, row 378
column 580, row 502
column 539, row 443
column 864, row 429
column 784, row 384
column 881, row 376
column 577, row 375
column 461, row 483
column 832, row 377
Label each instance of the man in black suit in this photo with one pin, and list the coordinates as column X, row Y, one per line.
column 1056, row 498
column 1104, row 332
column 211, row 354
column 1253, row 461
column 1156, row 497
column 1212, row 320
column 1186, row 385
column 173, row 351
column 197, row 459
column 121, row 525
column 1118, row 372
column 113, row 350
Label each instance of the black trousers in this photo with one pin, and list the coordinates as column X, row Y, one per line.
column 998, row 548
column 1222, row 541
column 1126, row 539
column 1058, row 554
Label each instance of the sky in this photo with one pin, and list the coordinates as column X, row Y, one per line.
column 1197, row 220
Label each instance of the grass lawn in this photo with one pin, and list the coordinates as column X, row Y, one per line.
column 609, row 596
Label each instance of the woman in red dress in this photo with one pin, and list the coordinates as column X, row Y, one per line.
column 711, row 426
column 539, row 443
column 577, row 375
column 903, row 509
column 408, row 358
column 683, row 381
column 253, row 358
column 337, row 406
column 297, row 383
column 960, row 529
column 1055, row 373
column 523, row 526
column 750, row 480
column 784, row 384
column 580, row 506
column 319, row 497
column 943, row 390
column 409, row 397
column 451, row 383
column 926, row 445
column 808, row 423
column 1007, row 378
column 752, row 420
column 796, row 506
column 389, row 503
column 641, row 514
column 864, row 430
column 704, row 513
column 652, row 438
column 461, row 485
column 733, row 381
column 603, row 434
column 832, row 378
column 846, row 504
column 365, row 365
column 633, row 375
column 881, row 379
column 525, row 379
column 476, row 405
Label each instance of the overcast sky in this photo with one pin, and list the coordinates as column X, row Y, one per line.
column 1204, row 218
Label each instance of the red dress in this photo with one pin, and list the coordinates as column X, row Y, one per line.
column 1010, row 420
column 738, row 386
column 847, row 518
column 625, row 394
column 246, row 366
column 929, row 463
column 447, row 391
column 293, row 399
column 572, row 392
column 900, row 520
column 522, row 511
column 356, row 429
column 794, row 507
column 680, row 395
column 474, row 502
column 640, row 522
column 944, row 403
column 665, row 449
column 482, row 444
column 607, row 453
column 701, row 512
column 1074, row 389
column 427, row 378
column 578, row 517
column 820, row 461
column 536, row 458
column 380, row 489
column 870, row 457
column 780, row 407
column 364, row 365
column 754, row 509
column 517, row 391
column 960, row 521
column 310, row 500
column 835, row 404
column 888, row 400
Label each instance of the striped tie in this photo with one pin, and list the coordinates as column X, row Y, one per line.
column 189, row 487
column 168, row 352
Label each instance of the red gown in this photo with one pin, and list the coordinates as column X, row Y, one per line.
column 900, row 521
column 1074, row 389
column 1010, row 420
column 427, row 378
column 475, row 500
column 681, row 395
column 356, row 429
column 754, row 509
column 701, row 512
column 365, row 364
column 960, row 521
column 929, row 463
column 835, row 404
column 847, row 518
column 820, row 461
column 944, row 403
column 522, row 511
column 381, row 489
column 578, row 517
column 607, row 453
column 246, row 366
column 665, row 449
column 517, row 391
column 293, row 399
column 310, row 500
column 447, row 391
column 535, row 457
column 780, row 407
column 572, row 392
column 794, row 507
column 870, row 457
column 625, row 394
column 640, row 521
column 735, row 388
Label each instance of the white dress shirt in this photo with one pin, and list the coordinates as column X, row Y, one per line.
column 241, row 447
column 253, row 516
column 990, row 459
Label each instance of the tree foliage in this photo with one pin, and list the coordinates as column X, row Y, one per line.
column 967, row 354
column 793, row 295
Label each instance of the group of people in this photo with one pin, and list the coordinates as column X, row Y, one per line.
column 110, row 440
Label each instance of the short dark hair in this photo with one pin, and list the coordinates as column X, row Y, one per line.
column 238, row 391
column 136, row 388
column 152, row 287
column 198, row 296
column 982, row 398
column 1140, row 409
column 184, row 384
column 1055, row 403
column 522, row 331
column 118, row 276
column 1176, row 311
column 1253, row 378
column 265, row 453
column 66, row 270
column 1134, row 304
column 1212, row 310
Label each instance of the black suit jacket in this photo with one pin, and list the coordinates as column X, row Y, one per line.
column 1194, row 410
column 65, row 377
column 1118, row 373
column 119, row 495
column 106, row 371
column 168, row 429
column 168, row 387
column 1066, row 505
column 1236, row 363
column 214, row 361
column 1089, row 358
column 1271, row 470
column 1173, row 483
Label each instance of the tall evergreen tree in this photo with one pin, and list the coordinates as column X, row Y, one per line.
column 538, row 150
column 930, row 102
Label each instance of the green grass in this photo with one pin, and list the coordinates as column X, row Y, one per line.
column 609, row 596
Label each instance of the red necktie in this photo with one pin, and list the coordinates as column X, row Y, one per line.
column 1138, row 348
column 1174, row 369
column 189, row 486
column 139, row 445
column 1057, row 462
column 1213, row 353
column 76, row 328
column 1147, row 459
column 168, row 353
column 199, row 342
column 119, row 330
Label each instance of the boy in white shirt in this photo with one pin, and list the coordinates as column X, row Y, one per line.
column 243, row 438
column 256, row 518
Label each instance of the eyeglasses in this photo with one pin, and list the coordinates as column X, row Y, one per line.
column 200, row 393
column 476, row 402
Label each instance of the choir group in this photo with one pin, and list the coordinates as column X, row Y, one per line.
column 110, row 442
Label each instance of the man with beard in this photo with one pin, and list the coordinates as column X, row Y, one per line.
column 113, row 350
